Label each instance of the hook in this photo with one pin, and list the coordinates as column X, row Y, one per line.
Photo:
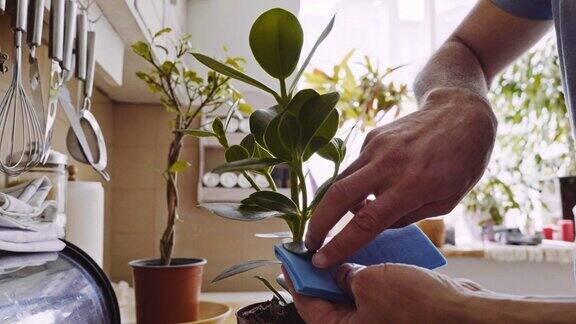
column 85, row 7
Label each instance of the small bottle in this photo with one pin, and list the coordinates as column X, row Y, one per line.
column 261, row 181
column 245, row 126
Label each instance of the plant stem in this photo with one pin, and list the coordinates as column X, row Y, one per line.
column 172, row 200
column 283, row 90
column 271, row 181
column 303, row 188
column 251, row 180
column 294, row 192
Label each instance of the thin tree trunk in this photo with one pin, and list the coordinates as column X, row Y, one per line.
column 172, row 200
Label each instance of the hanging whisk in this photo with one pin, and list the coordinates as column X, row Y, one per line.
column 21, row 135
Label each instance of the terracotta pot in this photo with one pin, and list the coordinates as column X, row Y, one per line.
column 434, row 228
column 167, row 294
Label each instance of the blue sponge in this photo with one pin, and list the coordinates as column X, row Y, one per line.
column 406, row 245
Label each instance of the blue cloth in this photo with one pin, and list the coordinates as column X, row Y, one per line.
column 406, row 245
column 563, row 12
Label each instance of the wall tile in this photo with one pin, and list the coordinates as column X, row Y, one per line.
column 134, row 167
column 133, row 211
column 135, row 125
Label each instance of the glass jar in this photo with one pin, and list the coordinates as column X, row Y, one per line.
column 56, row 169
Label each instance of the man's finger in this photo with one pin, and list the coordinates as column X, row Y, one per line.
column 314, row 310
column 376, row 216
column 342, row 196
column 346, row 274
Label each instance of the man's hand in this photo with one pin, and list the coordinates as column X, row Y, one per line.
column 417, row 167
column 389, row 293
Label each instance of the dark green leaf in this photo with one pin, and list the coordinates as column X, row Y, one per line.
column 320, row 39
column 248, row 164
column 300, row 99
column 331, row 151
column 239, row 212
column 236, row 153
column 218, row 127
column 243, row 267
column 259, row 121
column 273, row 141
column 272, row 200
column 249, row 143
column 289, row 130
column 233, row 73
column 323, row 135
column 313, row 114
column 276, row 41
column 196, row 132
column 178, row 166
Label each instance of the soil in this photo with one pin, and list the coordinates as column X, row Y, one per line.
column 271, row 312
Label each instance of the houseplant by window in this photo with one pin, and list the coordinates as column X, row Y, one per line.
column 302, row 123
column 365, row 98
column 167, row 289
column 534, row 143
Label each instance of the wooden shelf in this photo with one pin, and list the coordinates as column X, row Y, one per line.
column 220, row 194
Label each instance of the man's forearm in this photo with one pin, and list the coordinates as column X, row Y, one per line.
column 506, row 309
column 454, row 65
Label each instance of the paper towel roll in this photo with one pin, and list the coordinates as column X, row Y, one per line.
column 85, row 211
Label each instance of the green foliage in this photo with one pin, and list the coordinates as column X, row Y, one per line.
column 534, row 143
column 289, row 132
column 185, row 95
column 366, row 97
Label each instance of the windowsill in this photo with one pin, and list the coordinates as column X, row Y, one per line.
column 548, row 252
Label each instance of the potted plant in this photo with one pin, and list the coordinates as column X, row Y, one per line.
column 365, row 98
column 167, row 289
column 534, row 143
column 300, row 124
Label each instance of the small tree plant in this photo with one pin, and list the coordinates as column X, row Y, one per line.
column 185, row 95
column 300, row 124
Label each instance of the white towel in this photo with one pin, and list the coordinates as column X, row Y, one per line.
column 45, row 232
column 43, row 246
column 25, row 206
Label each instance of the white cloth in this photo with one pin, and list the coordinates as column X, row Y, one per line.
column 43, row 246
column 25, row 206
column 47, row 232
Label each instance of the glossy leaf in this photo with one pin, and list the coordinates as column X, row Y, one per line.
column 231, row 72
column 319, row 41
column 239, row 212
column 299, row 99
column 243, row 267
column 249, row 143
column 218, row 127
column 236, row 153
column 321, row 192
column 248, row 164
column 289, row 131
column 162, row 31
column 323, row 135
column 313, row 114
column 331, row 151
column 272, row 200
column 273, row 140
column 276, row 41
column 259, row 121
column 196, row 132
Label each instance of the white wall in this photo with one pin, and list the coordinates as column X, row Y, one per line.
column 217, row 23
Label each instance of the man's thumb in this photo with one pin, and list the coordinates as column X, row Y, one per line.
column 345, row 275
